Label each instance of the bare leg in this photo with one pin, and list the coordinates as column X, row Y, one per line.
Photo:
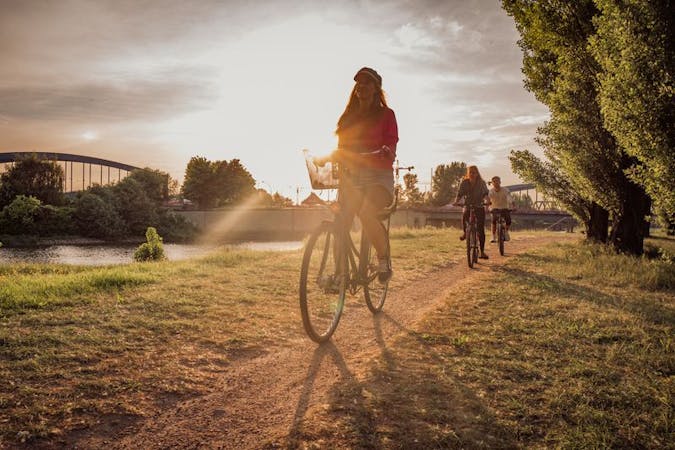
column 376, row 234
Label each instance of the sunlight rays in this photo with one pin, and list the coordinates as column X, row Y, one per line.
column 230, row 220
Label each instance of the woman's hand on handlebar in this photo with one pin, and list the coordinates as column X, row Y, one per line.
column 386, row 152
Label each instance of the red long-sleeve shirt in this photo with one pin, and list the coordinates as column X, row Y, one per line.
column 369, row 134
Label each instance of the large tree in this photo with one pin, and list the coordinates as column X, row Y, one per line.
column 445, row 182
column 199, row 184
column 563, row 74
column 216, row 183
column 635, row 48
column 33, row 177
column 235, row 183
column 155, row 183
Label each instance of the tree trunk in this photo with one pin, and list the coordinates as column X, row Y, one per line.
column 598, row 224
column 628, row 230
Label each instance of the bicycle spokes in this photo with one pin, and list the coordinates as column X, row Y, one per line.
column 322, row 284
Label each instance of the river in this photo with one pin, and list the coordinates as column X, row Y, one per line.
column 99, row 255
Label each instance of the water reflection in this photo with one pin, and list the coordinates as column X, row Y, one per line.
column 99, row 255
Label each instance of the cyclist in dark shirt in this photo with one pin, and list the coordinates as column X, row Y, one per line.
column 475, row 192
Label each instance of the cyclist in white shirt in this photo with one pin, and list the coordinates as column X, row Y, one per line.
column 500, row 202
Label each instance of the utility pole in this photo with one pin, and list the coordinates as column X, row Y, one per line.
column 431, row 181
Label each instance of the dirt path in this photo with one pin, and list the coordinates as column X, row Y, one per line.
column 263, row 400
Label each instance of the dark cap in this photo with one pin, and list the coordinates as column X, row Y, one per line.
column 371, row 73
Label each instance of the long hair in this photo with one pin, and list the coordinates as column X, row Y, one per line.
column 349, row 114
column 468, row 169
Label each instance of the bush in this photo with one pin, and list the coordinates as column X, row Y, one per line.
column 153, row 249
column 96, row 217
column 20, row 215
column 134, row 206
column 176, row 228
column 55, row 220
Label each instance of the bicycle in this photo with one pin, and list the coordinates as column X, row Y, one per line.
column 501, row 229
column 332, row 265
column 471, row 238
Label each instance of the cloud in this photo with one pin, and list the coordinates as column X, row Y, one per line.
column 126, row 65
column 102, row 102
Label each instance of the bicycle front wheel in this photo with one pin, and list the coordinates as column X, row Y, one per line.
column 501, row 238
column 474, row 246
column 323, row 282
column 374, row 291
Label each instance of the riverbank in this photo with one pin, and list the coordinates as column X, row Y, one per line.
column 23, row 240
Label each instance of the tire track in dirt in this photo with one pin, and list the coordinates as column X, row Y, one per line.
column 265, row 399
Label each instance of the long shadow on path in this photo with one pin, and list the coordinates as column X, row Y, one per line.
column 408, row 397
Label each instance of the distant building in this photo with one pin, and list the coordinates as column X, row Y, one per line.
column 312, row 200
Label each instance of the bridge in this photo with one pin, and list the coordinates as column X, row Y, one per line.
column 73, row 174
column 537, row 203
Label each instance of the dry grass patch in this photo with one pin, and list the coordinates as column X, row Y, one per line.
column 569, row 346
column 83, row 344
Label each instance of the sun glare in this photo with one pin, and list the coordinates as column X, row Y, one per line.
column 89, row 136
column 281, row 89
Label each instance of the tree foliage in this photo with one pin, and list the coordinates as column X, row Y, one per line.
column 32, row 177
column 234, row 183
column 563, row 74
column 274, row 200
column 29, row 216
column 411, row 193
column 549, row 180
column 134, row 206
column 21, row 214
column 216, row 183
column 199, row 184
column 95, row 216
column 154, row 183
column 634, row 47
column 445, row 182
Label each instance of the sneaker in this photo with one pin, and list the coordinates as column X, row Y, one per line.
column 494, row 239
column 462, row 237
column 483, row 256
column 506, row 236
column 384, row 272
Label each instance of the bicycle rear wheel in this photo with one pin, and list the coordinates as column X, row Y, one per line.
column 469, row 246
column 374, row 291
column 500, row 239
column 323, row 281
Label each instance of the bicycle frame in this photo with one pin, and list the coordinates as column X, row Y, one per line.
column 356, row 261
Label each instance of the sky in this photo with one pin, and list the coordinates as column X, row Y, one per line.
column 153, row 83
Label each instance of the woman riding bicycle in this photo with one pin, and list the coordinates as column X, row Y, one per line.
column 367, row 135
column 475, row 191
